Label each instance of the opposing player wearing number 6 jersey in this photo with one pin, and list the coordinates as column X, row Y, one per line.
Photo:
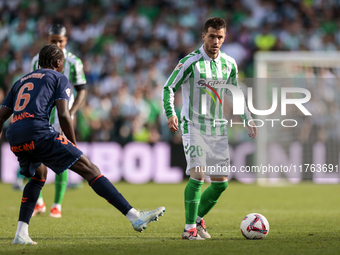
column 74, row 71
column 37, row 144
column 204, row 76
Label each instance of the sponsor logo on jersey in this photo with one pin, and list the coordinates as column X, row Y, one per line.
column 21, row 116
column 68, row 92
column 203, row 84
column 211, row 83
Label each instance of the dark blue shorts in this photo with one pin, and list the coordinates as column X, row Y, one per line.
column 55, row 152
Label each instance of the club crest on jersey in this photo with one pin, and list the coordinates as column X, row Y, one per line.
column 224, row 70
column 179, row 66
column 68, row 92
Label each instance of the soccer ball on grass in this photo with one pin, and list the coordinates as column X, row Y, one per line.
column 254, row 226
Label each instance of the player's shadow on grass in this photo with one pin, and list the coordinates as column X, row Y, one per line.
column 4, row 239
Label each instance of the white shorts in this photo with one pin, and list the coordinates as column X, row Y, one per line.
column 211, row 152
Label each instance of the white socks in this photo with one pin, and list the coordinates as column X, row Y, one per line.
column 190, row 226
column 22, row 229
column 40, row 201
column 58, row 206
column 132, row 214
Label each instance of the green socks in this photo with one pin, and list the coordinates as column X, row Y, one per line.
column 210, row 196
column 192, row 195
column 60, row 186
column 195, row 204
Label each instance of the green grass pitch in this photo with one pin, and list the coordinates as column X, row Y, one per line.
column 304, row 219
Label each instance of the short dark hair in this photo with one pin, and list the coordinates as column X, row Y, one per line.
column 214, row 22
column 57, row 29
column 49, row 54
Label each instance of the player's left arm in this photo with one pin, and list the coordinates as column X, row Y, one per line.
column 79, row 82
column 62, row 97
column 246, row 116
column 65, row 120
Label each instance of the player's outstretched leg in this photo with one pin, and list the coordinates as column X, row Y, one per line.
column 29, row 199
column 60, row 189
column 104, row 188
column 208, row 200
column 140, row 219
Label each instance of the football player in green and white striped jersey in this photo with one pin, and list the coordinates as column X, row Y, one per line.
column 73, row 70
column 204, row 76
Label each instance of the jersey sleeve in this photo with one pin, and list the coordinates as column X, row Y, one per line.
column 63, row 89
column 177, row 78
column 233, row 79
column 9, row 100
column 34, row 63
column 79, row 75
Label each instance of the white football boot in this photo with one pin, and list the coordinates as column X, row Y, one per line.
column 145, row 217
column 191, row 234
column 202, row 230
column 20, row 240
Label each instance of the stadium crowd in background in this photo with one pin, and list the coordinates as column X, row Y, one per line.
column 129, row 48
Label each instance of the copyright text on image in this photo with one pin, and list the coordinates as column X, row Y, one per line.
column 318, row 168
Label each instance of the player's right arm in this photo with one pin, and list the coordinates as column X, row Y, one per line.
column 173, row 123
column 6, row 109
column 177, row 78
column 5, row 113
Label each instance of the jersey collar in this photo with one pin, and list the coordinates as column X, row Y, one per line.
column 65, row 51
column 206, row 57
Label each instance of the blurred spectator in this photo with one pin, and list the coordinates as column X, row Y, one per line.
column 291, row 36
column 110, row 84
column 20, row 39
column 266, row 40
column 4, row 63
column 234, row 49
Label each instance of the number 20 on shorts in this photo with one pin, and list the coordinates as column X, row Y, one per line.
column 194, row 151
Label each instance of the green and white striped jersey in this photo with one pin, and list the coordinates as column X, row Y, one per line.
column 73, row 70
column 191, row 70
